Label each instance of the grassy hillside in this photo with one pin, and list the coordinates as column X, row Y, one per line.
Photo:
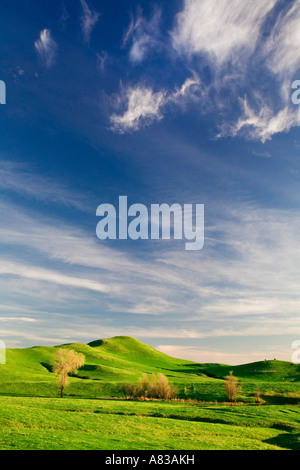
column 110, row 362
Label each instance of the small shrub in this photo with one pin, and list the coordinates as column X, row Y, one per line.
column 257, row 395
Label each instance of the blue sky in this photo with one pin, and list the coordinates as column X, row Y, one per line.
column 183, row 102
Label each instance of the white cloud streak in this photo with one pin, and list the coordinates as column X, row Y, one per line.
column 262, row 125
column 89, row 19
column 20, row 178
column 46, row 48
column 23, row 319
column 145, row 106
column 143, row 36
column 102, row 58
column 47, row 275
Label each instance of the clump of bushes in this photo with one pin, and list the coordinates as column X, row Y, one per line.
column 155, row 387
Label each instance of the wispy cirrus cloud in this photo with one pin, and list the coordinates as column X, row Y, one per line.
column 282, row 49
column 282, row 54
column 21, row 179
column 18, row 319
column 47, row 275
column 264, row 123
column 102, row 58
column 89, row 19
column 142, row 35
column 46, row 48
column 232, row 33
column 223, row 36
column 64, row 17
column 223, row 287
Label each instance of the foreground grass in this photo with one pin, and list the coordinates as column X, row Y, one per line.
column 51, row 423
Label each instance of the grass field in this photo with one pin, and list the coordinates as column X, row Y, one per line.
column 33, row 417
column 51, row 423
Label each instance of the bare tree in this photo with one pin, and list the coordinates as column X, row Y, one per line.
column 153, row 386
column 64, row 362
column 231, row 386
column 143, row 386
column 165, row 390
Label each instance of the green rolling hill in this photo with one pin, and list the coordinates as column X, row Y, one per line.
column 110, row 362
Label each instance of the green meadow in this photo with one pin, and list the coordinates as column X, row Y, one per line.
column 95, row 414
